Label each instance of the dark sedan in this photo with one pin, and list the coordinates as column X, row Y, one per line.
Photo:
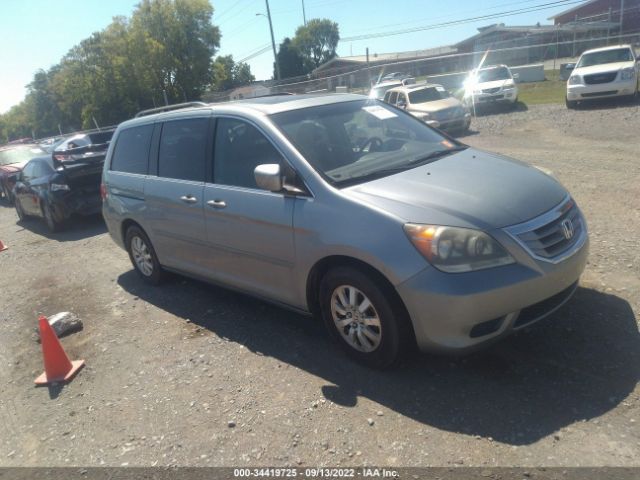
column 55, row 191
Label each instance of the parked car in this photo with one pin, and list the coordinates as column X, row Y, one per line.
column 12, row 159
column 394, row 76
column 379, row 89
column 432, row 104
column 604, row 72
column 55, row 189
column 490, row 85
column 350, row 209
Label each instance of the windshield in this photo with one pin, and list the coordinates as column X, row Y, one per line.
column 378, row 92
column 492, row 74
column 430, row 94
column 353, row 142
column 19, row 154
column 607, row 56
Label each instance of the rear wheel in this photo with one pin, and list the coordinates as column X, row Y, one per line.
column 53, row 224
column 143, row 256
column 7, row 195
column 363, row 317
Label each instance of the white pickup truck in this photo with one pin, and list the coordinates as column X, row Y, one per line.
column 604, row 72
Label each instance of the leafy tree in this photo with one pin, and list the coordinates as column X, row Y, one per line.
column 317, row 41
column 290, row 61
column 228, row 74
column 173, row 42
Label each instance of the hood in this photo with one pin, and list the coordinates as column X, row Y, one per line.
column 435, row 106
column 494, row 84
column 12, row 168
column 471, row 188
column 605, row 67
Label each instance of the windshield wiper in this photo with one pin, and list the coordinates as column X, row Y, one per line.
column 400, row 168
column 437, row 154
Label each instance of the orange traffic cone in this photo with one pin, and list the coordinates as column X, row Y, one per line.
column 3, row 247
column 57, row 366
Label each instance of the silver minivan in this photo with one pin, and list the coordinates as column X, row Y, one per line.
column 349, row 209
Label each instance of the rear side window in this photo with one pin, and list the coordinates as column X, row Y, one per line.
column 183, row 147
column 131, row 154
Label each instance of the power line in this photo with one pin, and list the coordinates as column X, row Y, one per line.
column 508, row 13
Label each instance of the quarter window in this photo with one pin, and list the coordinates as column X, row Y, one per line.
column 131, row 154
column 240, row 148
column 183, row 147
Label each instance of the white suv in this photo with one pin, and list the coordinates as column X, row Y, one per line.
column 604, row 72
column 494, row 84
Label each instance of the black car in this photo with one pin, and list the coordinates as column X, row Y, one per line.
column 55, row 190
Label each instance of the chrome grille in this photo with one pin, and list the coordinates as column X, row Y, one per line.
column 552, row 235
column 491, row 90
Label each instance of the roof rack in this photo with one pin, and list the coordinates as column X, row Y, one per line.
column 168, row 108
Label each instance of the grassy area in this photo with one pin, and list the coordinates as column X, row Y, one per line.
column 552, row 90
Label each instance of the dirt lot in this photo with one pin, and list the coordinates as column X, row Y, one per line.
column 169, row 368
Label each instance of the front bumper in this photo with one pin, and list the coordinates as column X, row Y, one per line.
column 501, row 96
column 458, row 312
column 601, row 90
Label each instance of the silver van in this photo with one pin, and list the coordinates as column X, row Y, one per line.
column 349, row 209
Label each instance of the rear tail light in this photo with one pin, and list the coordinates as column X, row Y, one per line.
column 103, row 192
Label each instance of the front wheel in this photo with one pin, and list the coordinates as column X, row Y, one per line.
column 571, row 104
column 143, row 256
column 362, row 316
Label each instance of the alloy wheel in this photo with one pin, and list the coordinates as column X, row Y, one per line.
column 142, row 256
column 356, row 318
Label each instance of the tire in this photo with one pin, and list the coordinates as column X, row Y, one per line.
column 571, row 104
column 143, row 257
column 378, row 335
column 7, row 195
column 53, row 224
column 20, row 211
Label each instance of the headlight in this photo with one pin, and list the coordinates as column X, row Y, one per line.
column 456, row 250
column 424, row 116
column 627, row 73
column 575, row 80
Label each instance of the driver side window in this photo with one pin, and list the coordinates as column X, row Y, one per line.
column 239, row 149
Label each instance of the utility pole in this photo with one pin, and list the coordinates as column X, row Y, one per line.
column 368, row 69
column 273, row 42
column 609, row 25
column 575, row 29
column 304, row 15
column 621, row 18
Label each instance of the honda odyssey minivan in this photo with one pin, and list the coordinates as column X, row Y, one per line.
column 349, row 209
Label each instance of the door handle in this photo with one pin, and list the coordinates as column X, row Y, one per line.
column 188, row 198
column 217, row 203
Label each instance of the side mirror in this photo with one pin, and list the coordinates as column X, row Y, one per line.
column 402, row 104
column 516, row 76
column 268, row 177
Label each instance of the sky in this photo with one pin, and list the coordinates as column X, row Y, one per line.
column 37, row 33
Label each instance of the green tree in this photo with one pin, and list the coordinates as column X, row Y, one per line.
column 317, row 41
column 173, row 42
column 290, row 61
column 228, row 74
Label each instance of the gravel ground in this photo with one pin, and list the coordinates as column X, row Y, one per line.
column 189, row 374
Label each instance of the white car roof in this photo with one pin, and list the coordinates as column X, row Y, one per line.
column 604, row 49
